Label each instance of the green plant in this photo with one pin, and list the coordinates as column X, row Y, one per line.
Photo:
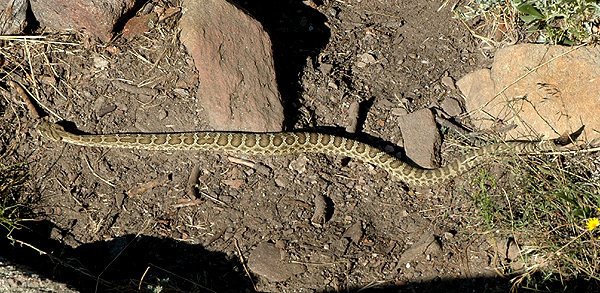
column 552, row 207
column 565, row 22
column 11, row 179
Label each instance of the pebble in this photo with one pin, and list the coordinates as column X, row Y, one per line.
column 353, row 112
column 448, row 82
column 399, row 111
column 367, row 58
column 100, row 62
column 354, row 232
column 451, row 106
column 299, row 164
column 325, row 68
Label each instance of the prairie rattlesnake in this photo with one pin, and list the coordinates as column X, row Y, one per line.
column 291, row 143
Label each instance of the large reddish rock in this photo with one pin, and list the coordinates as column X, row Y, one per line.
column 543, row 90
column 233, row 55
column 96, row 18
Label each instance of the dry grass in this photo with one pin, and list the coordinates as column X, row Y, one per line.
column 544, row 203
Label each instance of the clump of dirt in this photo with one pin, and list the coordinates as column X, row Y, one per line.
column 123, row 219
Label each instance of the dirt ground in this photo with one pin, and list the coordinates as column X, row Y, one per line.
column 119, row 220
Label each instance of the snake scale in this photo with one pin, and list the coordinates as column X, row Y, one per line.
column 291, row 143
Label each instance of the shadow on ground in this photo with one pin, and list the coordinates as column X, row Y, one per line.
column 141, row 263
column 126, row 264
column 298, row 33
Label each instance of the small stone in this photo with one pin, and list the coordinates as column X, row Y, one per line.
column 514, row 252
column 282, row 181
column 325, row 68
column 360, row 64
column 451, row 106
column 353, row 112
column 138, row 25
column 399, row 111
column 299, row 164
column 448, row 82
column 107, row 108
column 354, row 232
column 319, row 216
column 100, row 62
column 181, row 92
column 367, row 58
column 427, row 244
column 162, row 114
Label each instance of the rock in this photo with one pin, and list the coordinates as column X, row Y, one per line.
column 319, row 216
column 367, row 58
column 12, row 16
column 19, row 278
column 96, row 18
column 299, row 164
column 325, row 68
column 353, row 113
column 398, row 111
column 552, row 99
column 139, row 24
column 448, row 82
column 421, row 138
column 266, row 261
column 508, row 251
column 427, row 245
column 451, row 106
column 354, row 232
column 232, row 53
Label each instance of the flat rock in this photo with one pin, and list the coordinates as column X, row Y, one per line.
column 421, row 138
column 12, row 16
column 549, row 90
column 451, row 106
column 426, row 245
column 266, row 261
column 232, row 53
column 96, row 18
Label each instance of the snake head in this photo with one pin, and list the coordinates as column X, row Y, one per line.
column 51, row 130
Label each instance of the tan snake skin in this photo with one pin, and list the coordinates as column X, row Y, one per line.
column 291, row 143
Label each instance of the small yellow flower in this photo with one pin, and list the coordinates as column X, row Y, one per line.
column 592, row 224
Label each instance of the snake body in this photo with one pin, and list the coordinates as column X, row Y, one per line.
column 291, row 143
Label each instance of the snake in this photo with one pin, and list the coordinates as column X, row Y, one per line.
column 279, row 143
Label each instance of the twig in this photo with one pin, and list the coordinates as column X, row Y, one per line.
column 142, row 278
column 20, row 92
column 243, row 263
column 94, row 173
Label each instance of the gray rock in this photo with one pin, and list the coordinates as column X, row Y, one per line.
column 421, row 138
column 12, row 16
column 266, row 261
column 451, row 106
column 426, row 245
